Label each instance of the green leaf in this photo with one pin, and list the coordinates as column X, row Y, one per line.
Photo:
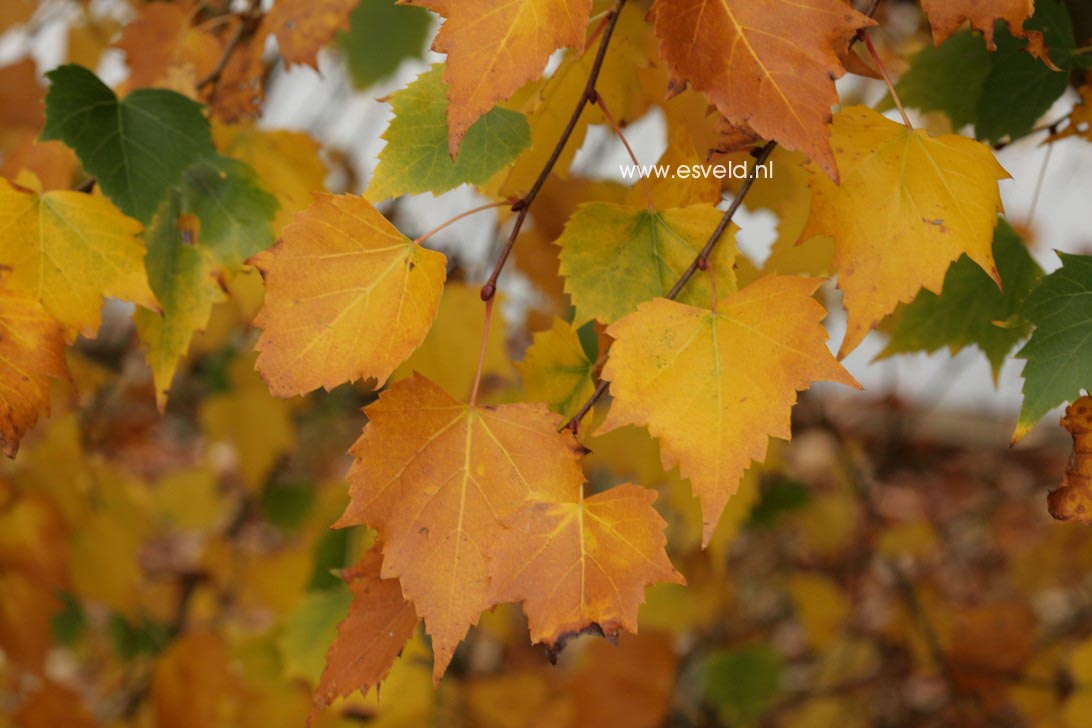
column 236, row 213
column 1003, row 93
column 136, row 147
column 1020, row 88
column 742, row 684
column 310, row 628
column 933, row 84
column 1060, row 348
column 382, row 35
column 970, row 303
column 182, row 278
column 615, row 257
column 416, row 157
column 556, row 370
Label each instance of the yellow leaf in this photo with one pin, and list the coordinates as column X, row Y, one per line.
column 436, row 478
column 192, row 683
column 735, row 375
column 347, row 297
column 556, row 370
column 189, row 499
column 821, row 606
column 31, row 353
column 69, row 250
column 449, row 354
column 582, row 564
column 908, row 206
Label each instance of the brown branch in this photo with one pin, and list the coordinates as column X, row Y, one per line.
column 524, row 205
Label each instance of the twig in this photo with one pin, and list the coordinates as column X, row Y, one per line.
column 458, row 217
column 524, row 205
column 233, row 42
column 863, row 35
column 633, row 157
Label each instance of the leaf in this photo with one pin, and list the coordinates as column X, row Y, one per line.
column 582, row 564
column 948, row 77
column 769, row 66
column 1016, row 74
column 556, row 370
column 52, row 163
column 436, row 479
column 377, row 626
column 1061, row 311
column 495, row 48
column 614, row 257
column 185, row 285
column 303, row 27
column 449, row 354
column 286, row 162
column 971, row 307
column 416, row 158
column 381, row 35
column 161, row 44
column 26, row 610
column 1073, row 498
column 347, row 297
column 739, row 370
column 136, row 147
column 945, row 16
column 31, row 353
column 235, row 211
column 20, row 98
column 69, row 250
column 927, row 200
column 241, row 89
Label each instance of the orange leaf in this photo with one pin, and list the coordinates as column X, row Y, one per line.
column 493, row 48
column 31, row 352
column 767, row 65
column 583, row 565
column 945, row 16
column 303, row 27
column 370, row 637
column 1073, row 498
column 436, row 478
column 161, row 42
column 347, row 297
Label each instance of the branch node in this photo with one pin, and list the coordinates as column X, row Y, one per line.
column 488, row 291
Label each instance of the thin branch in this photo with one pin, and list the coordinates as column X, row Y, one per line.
column 458, row 217
column 524, row 205
column 618, row 130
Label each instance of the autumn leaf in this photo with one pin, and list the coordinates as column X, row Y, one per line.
column 1073, row 498
column 416, row 158
column 69, row 250
column 769, row 66
column 183, row 280
column 945, row 16
column 436, row 478
column 347, row 297
column 971, row 309
column 161, row 44
column 136, row 147
column 303, row 27
column 927, row 201
column 52, row 163
column 582, row 564
column 556, row 370
column 614, row 257
column 370, row 637
column 495, row 48
column 31, row 353
column 743, row 365
column 1059, row 308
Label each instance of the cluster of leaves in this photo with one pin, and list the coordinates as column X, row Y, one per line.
column 475, row 486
